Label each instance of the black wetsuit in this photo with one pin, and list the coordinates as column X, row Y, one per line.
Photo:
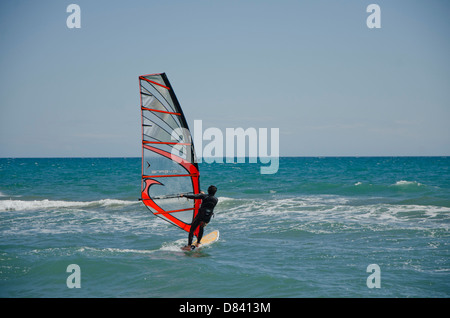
column 204, row 214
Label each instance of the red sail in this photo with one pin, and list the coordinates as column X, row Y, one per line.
column 169, row 166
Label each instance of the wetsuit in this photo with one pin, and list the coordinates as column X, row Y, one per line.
column 204, row 214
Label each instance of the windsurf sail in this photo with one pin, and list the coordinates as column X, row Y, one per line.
column 169, row 165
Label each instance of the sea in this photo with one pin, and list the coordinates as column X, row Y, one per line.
column 321, row 227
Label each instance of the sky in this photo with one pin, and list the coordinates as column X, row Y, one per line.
column 314, row 69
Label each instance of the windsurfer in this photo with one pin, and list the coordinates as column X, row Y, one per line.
column 204, row 214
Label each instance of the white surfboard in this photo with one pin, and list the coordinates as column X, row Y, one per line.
column 206, row 240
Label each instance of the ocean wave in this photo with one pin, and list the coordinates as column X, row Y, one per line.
column 374, row 188
column 170, row 246
column 115, row 250
column 22, row 205
column 331, row 209
column 222, row 199
column 403, row 183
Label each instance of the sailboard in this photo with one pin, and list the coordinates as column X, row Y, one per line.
column 208, row 239
column 169, row 165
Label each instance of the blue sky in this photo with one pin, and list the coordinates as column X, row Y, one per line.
column 313, row 69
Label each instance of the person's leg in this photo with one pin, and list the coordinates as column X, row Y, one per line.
column 194, row 225
column 200, row 233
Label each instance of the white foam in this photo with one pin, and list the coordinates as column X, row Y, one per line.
column 109, row 202
column 21, row 205
column 407, row 183
column 113, row 250
column 221, row 199
column 173, row 246
column 126, row 250
column 329, row 209
column 168, row 247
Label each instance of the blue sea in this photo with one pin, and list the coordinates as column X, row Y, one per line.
column 314, row 229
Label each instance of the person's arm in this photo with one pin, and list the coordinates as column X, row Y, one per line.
column 194, row 196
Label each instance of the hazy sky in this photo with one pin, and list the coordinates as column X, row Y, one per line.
column 313, row 69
